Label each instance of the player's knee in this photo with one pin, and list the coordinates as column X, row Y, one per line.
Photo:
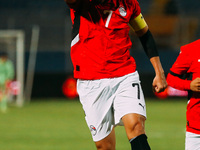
column 135, row 128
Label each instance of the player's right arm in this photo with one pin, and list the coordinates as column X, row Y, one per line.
column 175, row 81
column 180, row 68
column 183, row 84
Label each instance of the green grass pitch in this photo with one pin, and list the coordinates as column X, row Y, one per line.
column 60, row 125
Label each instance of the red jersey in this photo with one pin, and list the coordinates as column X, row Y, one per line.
column 101, row 42
column 188, row 63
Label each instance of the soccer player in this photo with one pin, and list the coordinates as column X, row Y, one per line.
column 108, row 83
column 185, row 75
column 6, row 75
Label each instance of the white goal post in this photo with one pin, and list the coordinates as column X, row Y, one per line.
column 19, row 36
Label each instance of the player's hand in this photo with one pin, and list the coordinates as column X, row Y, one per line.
column 195, row 85
column 159, row 83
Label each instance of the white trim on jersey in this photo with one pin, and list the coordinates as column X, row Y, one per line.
column 75, row 40
column 108, row 19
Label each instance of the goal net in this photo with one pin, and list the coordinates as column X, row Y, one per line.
column 12, row 43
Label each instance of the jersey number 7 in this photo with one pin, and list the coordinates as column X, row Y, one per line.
column 138, row 87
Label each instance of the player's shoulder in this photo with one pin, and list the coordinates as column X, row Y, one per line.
column 191, row 47
column 133, row 2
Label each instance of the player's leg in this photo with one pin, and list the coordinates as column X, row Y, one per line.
column 192, row 141
column 96, row 99
column 108, row 143
column 3, row 101
column 135, row 129
column 130, row 108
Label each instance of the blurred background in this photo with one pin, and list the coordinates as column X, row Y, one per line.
column 36, row 36
column 45, row 29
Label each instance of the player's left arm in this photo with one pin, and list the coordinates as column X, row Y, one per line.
column 159, row 83
column 141, row 29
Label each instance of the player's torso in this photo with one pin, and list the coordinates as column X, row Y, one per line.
column 194, row 70
column 4, row 66
column 193, row 50
column 3, row 72
column 195, row 65
column 104, row 43
column 193, row 107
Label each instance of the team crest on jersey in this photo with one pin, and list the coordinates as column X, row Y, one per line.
column 93, row 130
column 122, row 11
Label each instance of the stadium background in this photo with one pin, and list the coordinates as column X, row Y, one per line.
column 172, row 22
column 53, row 122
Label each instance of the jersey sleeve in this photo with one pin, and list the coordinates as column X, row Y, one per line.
column 136, row 9
column 179, row 68
column 178, row 83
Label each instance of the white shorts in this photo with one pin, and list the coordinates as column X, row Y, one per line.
column 192, row 141
column 106, row 101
